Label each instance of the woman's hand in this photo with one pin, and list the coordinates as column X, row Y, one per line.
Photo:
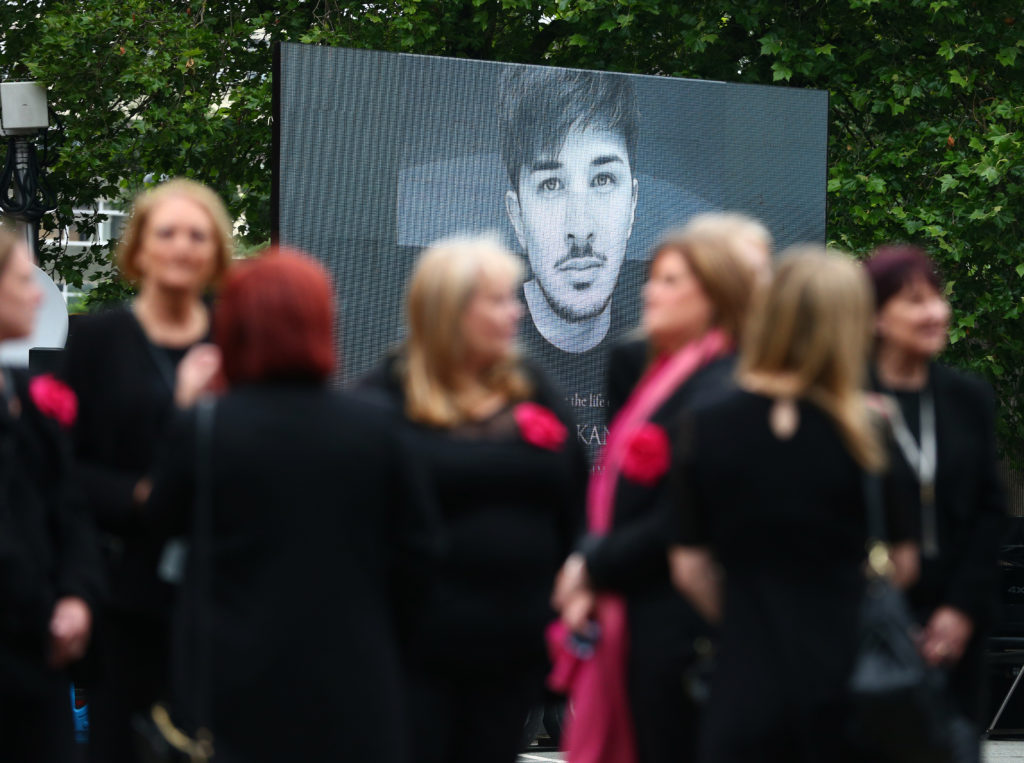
column 198, row 374
column 579, row 611
column 141, row 491
column 70, row 627
column 906, row 565
column 571, row 580
column 945, row 637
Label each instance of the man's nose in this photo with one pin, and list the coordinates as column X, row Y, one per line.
column 578, row 224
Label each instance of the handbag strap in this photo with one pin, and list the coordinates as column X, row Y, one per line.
column 879, row 561
column 202, row 550
column 874, row 502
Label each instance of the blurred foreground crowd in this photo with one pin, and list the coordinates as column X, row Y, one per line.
column 230, row 554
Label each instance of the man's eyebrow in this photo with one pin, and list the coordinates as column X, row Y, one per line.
column 606, row 159
column 545, row 165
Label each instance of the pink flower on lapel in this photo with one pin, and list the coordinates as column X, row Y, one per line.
column 54, row 398
column 647, row 456
column 540, row 427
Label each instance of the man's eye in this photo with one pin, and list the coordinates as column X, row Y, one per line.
column 551, row 184
column 603, row 179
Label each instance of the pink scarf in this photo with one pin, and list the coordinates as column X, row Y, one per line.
column 600, row 727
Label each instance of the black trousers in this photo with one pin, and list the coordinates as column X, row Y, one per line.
column 38, row 728
column 134, row 653
column 662, row 629
column 665, row 720
column 461, row 717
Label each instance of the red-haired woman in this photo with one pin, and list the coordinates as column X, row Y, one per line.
column 315, row 540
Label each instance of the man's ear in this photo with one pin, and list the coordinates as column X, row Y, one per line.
column 515, row 216
column 632, row 208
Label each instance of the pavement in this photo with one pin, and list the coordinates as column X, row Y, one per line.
column 995, row 752
column 1004, row 752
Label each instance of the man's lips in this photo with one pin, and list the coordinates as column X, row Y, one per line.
column 581, row 263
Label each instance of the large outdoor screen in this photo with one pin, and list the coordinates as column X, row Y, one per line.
column 379, row 154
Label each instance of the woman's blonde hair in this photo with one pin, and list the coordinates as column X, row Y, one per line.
column 723, row 274
column 146, row 202
column 809, row 338
column 730, row 228
column 444, row 281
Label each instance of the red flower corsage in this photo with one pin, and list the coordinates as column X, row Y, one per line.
column 54, row 398
column 540, row 427
column 647, row 456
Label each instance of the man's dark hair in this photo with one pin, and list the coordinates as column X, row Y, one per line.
column 538, row 106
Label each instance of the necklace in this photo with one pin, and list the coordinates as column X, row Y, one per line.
column 923, row 460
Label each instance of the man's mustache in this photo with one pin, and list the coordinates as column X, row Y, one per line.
column 579, row 252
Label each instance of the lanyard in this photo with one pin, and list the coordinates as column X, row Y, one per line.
column 923, row 460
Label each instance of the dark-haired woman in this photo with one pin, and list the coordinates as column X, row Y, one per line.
column 317, row 541
column 508, row 477
column 121, row 364
column 50, row 575
column 944, row 425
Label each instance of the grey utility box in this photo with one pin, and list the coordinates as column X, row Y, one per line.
column 22, row 108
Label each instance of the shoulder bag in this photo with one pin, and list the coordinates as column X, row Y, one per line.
column 900, row 707
column 158, row 739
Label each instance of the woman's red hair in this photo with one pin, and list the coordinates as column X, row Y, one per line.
column 275, row 320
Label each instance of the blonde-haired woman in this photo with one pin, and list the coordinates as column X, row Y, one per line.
column 772, row 528
column 508, row 479
column 122, row 364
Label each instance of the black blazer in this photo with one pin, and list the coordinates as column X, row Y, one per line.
column 321, row 545
column 970, row 498
column 632, row 556
column 47, row 549
column 125, row 389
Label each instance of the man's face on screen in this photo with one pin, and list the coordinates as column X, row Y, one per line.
column 573, row 214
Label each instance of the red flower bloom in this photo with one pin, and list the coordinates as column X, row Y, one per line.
column 54, row 398
column 540, row 427
column 647, row 456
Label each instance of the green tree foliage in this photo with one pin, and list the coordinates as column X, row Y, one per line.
column 926, row 103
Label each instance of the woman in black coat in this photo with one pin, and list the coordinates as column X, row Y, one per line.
column 698, row 291
column 122, row 366
column 50, row 577
column 319, row 544
column 772, row 520
column 745, row 238
column 508, row 476
column 944, row 424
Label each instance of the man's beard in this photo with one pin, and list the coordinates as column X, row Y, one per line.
column 567, row 312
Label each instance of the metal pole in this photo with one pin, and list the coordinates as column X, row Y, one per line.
column 32, row 239
column 1006, row 701
column 22, row 153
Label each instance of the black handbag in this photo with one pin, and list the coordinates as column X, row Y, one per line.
column 900, row 708
column 158, row 739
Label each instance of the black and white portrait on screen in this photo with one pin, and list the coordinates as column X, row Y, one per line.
column 580, row 172
column 569, row 146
